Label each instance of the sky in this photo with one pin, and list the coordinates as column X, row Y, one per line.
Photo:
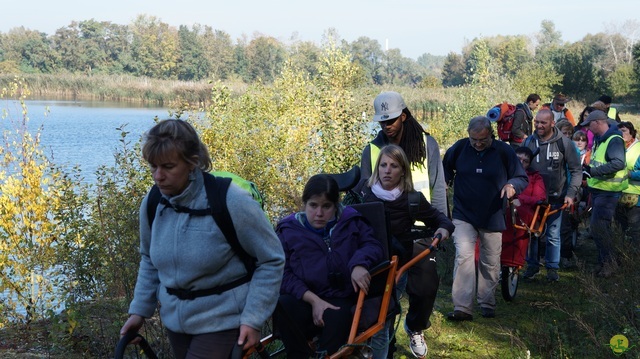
column 415, row 27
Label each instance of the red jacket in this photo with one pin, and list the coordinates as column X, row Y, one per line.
column 532, row 194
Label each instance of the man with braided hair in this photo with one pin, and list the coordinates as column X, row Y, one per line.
column 399, row 127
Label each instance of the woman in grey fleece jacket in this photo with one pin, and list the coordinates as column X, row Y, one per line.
column 189, row 252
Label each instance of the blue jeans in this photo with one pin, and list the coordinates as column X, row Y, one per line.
column 603, row 209
column 552, row 248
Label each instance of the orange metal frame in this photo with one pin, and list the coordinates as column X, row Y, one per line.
column 356, row 339
column 543, row 211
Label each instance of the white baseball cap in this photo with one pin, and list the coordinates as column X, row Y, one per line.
column 388, row 105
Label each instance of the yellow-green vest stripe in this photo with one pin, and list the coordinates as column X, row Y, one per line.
column 631, row 156
column 612, row 113
column 419, row 174
column 616, row 183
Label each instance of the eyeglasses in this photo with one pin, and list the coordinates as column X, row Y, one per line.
column 580, row 139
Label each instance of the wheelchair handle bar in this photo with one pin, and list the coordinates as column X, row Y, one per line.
column 127, row 338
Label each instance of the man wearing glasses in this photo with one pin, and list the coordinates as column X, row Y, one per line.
column 484, row 173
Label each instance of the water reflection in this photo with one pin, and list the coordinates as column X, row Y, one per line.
column 83, row 133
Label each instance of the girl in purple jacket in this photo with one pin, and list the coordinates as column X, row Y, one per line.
column 329, row 250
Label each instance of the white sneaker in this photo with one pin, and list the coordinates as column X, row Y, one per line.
column 416, row 343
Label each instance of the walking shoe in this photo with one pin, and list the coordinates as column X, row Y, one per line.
column 416, row 343
column 552, row 275
column 488, row 312
column 459, row 316
column 531, row 272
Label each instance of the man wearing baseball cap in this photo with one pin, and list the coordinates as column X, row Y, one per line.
column 612, row 112
column 607, row 178
column 399, row 127
column 558, row 107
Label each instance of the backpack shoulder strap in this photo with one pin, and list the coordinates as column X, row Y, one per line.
column 561, row 144
column 216, row 189
column 414, row 204
column 153, row 199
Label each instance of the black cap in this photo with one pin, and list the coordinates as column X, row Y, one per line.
column 606, row 99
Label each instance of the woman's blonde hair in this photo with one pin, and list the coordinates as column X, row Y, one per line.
column 175, row 136
column 397, row 154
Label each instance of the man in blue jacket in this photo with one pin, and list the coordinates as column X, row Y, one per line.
column 484, row 173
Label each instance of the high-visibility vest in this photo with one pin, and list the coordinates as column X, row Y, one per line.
column 631, row 157
column 612, row 113
column 612, row 183
column 419, row 174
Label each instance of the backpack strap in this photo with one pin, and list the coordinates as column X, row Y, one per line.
column 216, row 189
column 414, row 204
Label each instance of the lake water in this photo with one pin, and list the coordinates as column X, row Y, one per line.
column 84, row 133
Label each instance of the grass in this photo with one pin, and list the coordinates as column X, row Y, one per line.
column 573, row 318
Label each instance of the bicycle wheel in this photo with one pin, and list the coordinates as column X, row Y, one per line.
column 509, row 282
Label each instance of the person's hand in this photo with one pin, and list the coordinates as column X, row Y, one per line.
column 568, row 201
column 248, row 337
column 516, row 202
column 442, row 232
column 133, row 324
column 317, row 308
column 508, row 190
column 360, row 278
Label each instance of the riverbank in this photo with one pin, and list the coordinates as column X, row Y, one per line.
column 119, row 88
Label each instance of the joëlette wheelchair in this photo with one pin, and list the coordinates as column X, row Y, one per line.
column 514, row 247
column 384, row 277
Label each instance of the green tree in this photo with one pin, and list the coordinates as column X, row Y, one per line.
column 220, row 53
column 368, row 54
column 432, row 64
column 305, row 55
column 265, row 56
column 192, row 64
column 280, row 135
column 479, row 64
column 511, row 52
column 548, row 37
column 154, row 48
column 622, row 81
column 453, row 70
column 575, row 64
column 538, row 77
column 30, row 49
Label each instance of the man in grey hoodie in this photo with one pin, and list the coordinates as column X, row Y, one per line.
column 558, row 162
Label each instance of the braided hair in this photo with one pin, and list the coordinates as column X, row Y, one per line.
column 412, row 140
